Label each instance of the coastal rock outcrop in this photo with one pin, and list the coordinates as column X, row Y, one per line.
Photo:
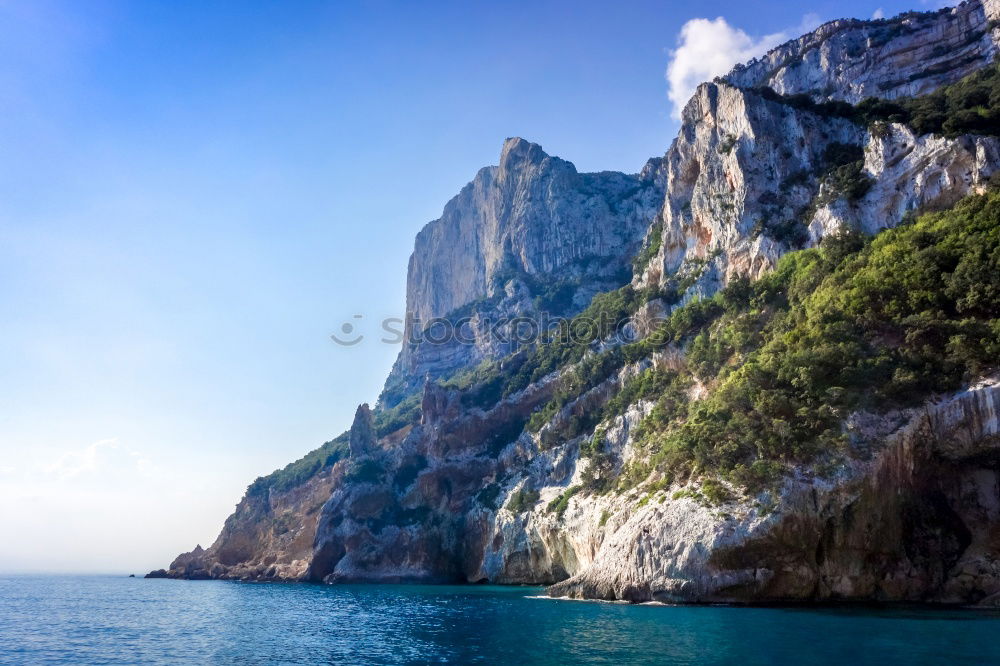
column 361, row 441
column 418, row 510
column 911, row 523
column 270, row 535
column 504, row 471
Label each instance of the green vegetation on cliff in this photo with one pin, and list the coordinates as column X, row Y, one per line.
column 860, row 323
column 522, row 500
column 654, row 240
column 857, row 324
column 296, row 473
column 968, row 106
column 566, row 344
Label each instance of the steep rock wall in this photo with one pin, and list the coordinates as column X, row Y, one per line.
column 913, row 523
column 740, row 163
column 906, row 56
column 533, row 220
column 746, row 183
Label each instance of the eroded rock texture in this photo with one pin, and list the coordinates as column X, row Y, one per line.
column 917, row 521
column 907, row 56
column 527, row 225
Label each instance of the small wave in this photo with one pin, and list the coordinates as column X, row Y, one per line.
column 598, row 601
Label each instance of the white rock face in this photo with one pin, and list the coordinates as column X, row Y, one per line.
column 532, row 213
column 540, row 546
column 808, row 546
column 744, row 172
column 740, row 164
column 902, row 57
column 531, row 219
column 911, row 173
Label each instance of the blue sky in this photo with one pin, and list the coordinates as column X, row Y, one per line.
column 194, row 195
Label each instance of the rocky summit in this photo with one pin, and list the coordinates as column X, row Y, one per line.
column 775, row 373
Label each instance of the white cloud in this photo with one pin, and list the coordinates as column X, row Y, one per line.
column 75, row 463
column 709, row 48
column 89, row 459
column 878, row 13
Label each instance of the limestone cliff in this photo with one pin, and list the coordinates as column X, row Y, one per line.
column 912, row 522
column 906, row 56
column 530, row 224
column 505, row 477
column 746, row 175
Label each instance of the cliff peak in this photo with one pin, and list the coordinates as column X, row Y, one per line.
column 362, row 437
column 533, row 215
column 518, row 152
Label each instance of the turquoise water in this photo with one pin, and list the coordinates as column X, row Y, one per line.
column 105, row 620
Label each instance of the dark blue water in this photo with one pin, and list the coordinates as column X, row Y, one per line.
column 105, row 620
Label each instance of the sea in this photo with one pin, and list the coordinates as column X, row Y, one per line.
column 121, row 620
